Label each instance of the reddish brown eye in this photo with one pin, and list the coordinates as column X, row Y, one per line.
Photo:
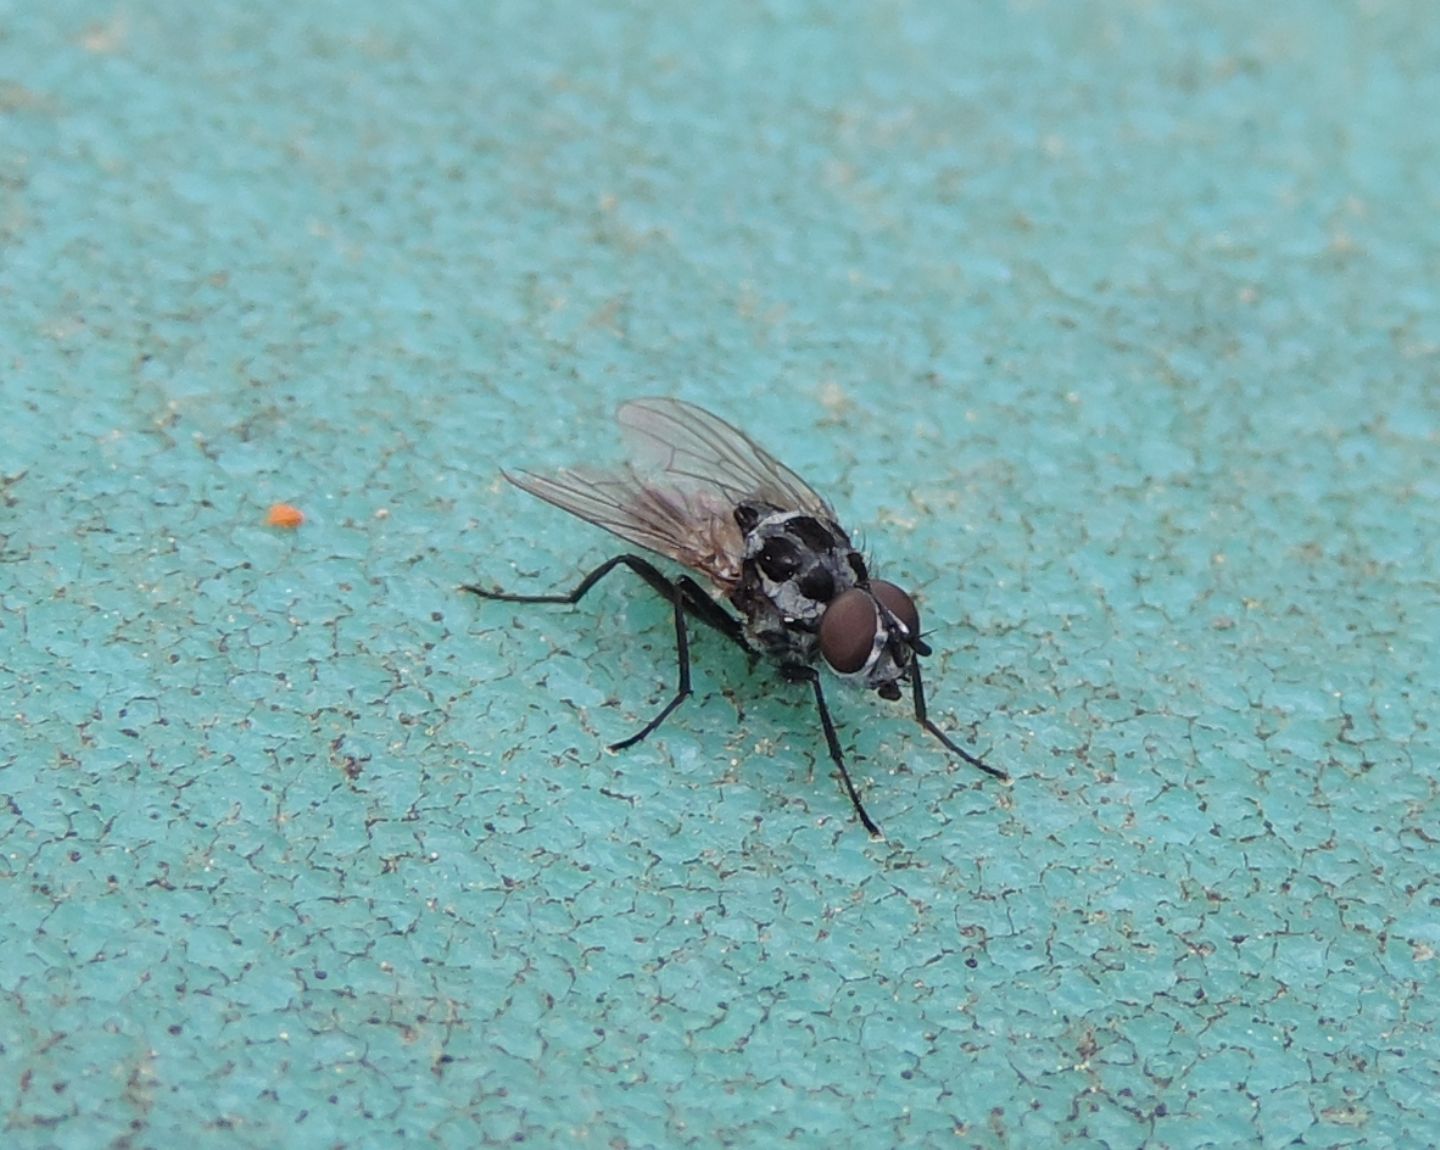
column 898, row 603
column 847, row 630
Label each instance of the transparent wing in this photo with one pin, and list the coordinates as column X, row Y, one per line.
column 693, row 470
column 695, row 450
column 696, row 528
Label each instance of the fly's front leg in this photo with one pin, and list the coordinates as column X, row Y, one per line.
column 923, row 718
column 677, row 593
column 800, row 673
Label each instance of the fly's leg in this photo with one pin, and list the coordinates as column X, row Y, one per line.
column 684, row 594
column 709, row 612
column 682, row 656
column 800, row 673
column 692, row 595
column 925, row 721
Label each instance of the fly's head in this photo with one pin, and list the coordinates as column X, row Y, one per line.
column 871, row 633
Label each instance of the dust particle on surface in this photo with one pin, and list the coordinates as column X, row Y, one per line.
column 284, row 515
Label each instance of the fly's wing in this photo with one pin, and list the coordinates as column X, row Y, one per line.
column 695, row 450
column 694, row 470
column 695, row 527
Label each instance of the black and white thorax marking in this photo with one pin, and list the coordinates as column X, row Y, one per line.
column 794, row 565
column 704, row 494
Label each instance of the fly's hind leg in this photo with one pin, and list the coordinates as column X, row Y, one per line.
column 684, row 594
column 709, row 612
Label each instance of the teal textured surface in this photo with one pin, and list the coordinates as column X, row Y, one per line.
column 1114, row 327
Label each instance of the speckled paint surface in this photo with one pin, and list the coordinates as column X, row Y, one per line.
column 1114, row 328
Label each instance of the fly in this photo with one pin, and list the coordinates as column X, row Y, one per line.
column 704, row 494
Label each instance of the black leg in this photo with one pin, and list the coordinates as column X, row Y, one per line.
column 682, row 688
column 799, row 673
column 709, row 612
column 693, row 596
column 684, row 594
column 641, row 567
column 924, row 720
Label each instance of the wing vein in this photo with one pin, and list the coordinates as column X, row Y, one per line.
column 677, row 497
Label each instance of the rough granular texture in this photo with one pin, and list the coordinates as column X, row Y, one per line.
column 1113, row 327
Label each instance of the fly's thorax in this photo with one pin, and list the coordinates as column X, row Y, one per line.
column 796, row 561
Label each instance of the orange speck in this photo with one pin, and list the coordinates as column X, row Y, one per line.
column 283, row 515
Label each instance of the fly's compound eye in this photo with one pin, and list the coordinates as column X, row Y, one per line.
column 899, row 604
column 847, row 630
